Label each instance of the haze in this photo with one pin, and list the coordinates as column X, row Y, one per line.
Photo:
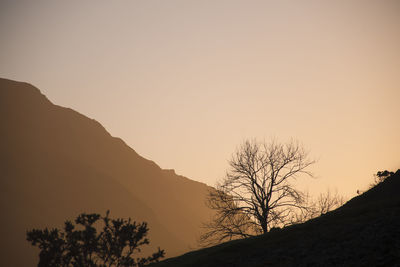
column 184, row 82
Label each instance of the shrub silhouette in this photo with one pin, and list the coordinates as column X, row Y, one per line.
column 384, row 174
column 115, row 245
column 381, row 176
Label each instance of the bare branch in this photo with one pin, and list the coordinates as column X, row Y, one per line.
column 257, row 192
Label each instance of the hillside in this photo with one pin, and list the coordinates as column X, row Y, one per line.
column 364, row 232
column 56, row 163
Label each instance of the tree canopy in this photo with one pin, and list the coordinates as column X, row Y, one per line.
column 81, row 244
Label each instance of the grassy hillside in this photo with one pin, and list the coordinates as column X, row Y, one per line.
column 364, row 232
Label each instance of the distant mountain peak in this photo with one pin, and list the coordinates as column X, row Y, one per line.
column 57, row 163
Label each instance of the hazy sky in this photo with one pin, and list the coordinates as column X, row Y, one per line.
column 185, row 82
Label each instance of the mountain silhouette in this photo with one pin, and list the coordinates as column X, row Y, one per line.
column 363, row 232
column 56, row 163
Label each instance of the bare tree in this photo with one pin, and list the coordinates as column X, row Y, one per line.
column 328, row 202
column 320, row 205
column 257, row 192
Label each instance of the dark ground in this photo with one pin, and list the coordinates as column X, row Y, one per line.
column 364, row 232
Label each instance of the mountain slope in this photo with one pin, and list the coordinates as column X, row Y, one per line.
column 56, row 163
column 364, row 232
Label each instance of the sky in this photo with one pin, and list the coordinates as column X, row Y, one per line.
column 184, row 83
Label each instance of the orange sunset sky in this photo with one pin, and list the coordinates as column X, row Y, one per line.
column 185, row 82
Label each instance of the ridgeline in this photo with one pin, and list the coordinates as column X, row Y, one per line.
column 363, row 232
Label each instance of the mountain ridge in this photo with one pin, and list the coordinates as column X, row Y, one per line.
column 57, row 162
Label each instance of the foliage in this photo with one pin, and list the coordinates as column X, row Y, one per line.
column 257, row 192
column 82, row 245
column 381, row 176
